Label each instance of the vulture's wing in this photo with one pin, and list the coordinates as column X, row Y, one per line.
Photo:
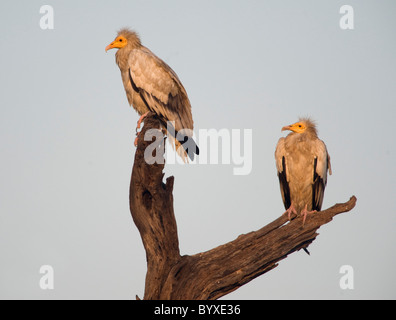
column 281, row 166
column 320, row 167
column 160, row 88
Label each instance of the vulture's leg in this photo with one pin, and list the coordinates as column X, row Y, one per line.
column 290, row 211
column 139, row 123
column 304, row 213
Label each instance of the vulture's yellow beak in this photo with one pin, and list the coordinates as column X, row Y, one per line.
column 118, row 43
column 298, row 127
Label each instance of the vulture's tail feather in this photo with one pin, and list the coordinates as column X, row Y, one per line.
column 189, row 146
column 185, row 144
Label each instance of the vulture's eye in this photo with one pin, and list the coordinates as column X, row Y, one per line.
column 299, row 125
column 120, row 40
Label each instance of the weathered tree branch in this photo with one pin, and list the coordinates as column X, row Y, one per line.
column 217, row 272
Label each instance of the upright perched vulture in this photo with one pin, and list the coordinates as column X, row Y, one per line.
column 152, row 86
column 302, row 162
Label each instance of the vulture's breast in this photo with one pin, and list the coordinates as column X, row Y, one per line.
column 300, row 163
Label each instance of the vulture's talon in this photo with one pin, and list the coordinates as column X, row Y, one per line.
column 290, row 211
column 141, row 119
column 305, row 212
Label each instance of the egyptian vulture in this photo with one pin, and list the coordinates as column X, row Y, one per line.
column 151, row 85
column 302, row 162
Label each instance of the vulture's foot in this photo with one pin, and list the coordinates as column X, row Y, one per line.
column 305, row 212
column 290, row 211
column 139, row 123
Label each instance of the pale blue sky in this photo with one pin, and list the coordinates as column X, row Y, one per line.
column 67, row 140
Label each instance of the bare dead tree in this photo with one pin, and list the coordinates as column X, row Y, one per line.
column 217, row 272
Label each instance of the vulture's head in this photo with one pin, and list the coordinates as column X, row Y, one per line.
column 304, row 125
column 127, row 39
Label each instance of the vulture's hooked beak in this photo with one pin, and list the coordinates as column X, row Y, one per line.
column 110, row 46
column 118, row 43
column 286, row 128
